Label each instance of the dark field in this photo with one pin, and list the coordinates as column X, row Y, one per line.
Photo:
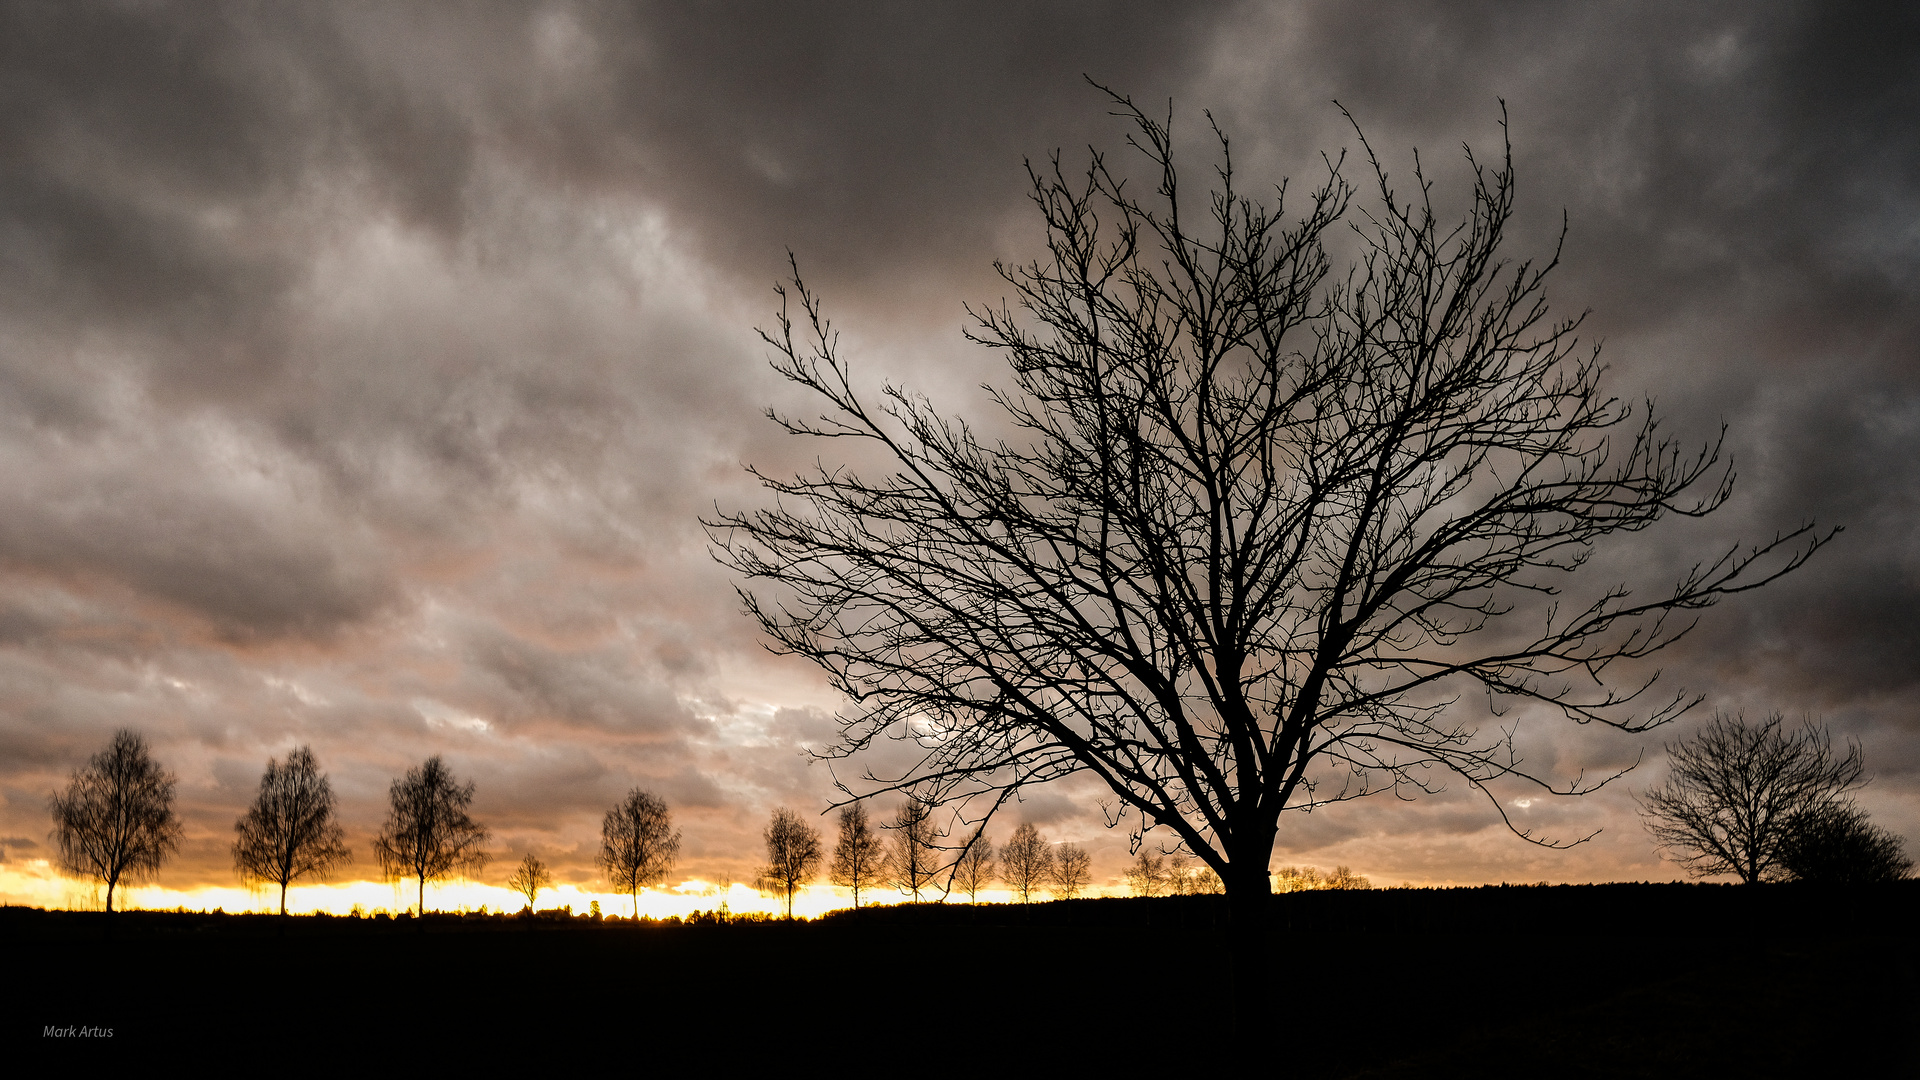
column 1602, row 980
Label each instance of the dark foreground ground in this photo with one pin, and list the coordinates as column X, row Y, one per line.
column 1566, row 981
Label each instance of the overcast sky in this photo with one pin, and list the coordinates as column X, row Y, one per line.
column 364, row 368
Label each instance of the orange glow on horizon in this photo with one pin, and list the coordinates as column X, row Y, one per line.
column 37, row 884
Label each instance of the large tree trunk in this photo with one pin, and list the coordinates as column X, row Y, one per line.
column 283, row 898
column 1249, row 914
column 110, row 884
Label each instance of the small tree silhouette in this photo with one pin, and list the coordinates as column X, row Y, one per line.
column 793, row 855
column 1836, row 844
column 428, row 835
column 1026, row 863
column 1072, row 871
column 859, row 854
column 1344, row 878
column 974, row 869
column 915, row 855
column 290, row 831
column 116, row 818
column 1148, row 874
column 530, row 878
column 638, row 844
column 1185, row 878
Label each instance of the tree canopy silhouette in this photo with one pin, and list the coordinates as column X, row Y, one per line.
column 529, row 878
column 858, row 854
column 290, row 831
column 913, row 859
column 428, row 835
column 638, row 844
column 116, row 820
column 1026, row 862
column 1072, row 871
column 1258, row 522
column 793, row 855
column 1733, row 790
column 1835, row 844
column 1147, row 875
column 974, row 869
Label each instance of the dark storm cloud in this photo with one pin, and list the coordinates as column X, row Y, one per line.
column 882, row 142
column 121, row 122
column 363, row 367
column 1743, row 183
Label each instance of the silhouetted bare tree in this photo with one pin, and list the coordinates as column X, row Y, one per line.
column 116, row 820
column 859, row 855
column 974, row 869
column 531, row 877
column 914, row 857
column 290, row 831
column 638, row 844
column 1732, row 789
column 1293, row 879
column 1072, row 871
column 1343, row 877
column 1026, row 862
column 1836, row 844
column 1240, row 555
column 428, row 834
column 793, row 855
column 1186, row 876
column 1148, row 874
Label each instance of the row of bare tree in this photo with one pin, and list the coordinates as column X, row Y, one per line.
column 1761, row 802
column 915, row 861
column 116, row 820
column 1027, row 864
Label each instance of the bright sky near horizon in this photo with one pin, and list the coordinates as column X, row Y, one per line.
column 364, row 370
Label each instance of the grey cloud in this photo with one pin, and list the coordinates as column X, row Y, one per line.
column 848, row 133
column 601, row 689
column 252, row 571
column 533, row 789
column 809, row 726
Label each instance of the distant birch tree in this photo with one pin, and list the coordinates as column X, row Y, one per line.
column 1072, row 871
column 1148, row 874
column 1026, row 863
column 859, row 854
column 638, row 844
column 915, row 855
column 116, row 820
column 530, row 878
column 290, row 831
column 975, row 868
column 428, row 835
column 793, row 855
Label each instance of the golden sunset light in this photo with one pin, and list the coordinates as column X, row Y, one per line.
column 1194, row 501
column 38, row 884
